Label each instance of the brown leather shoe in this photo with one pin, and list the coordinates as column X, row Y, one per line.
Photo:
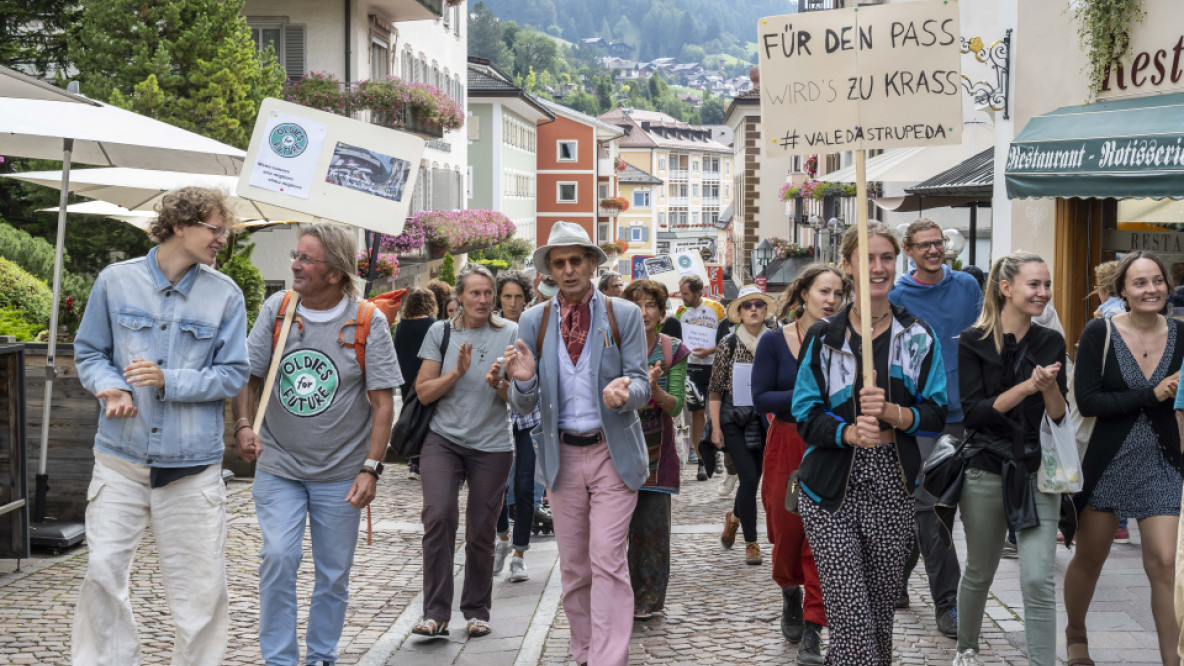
column 752, row 553
column 731, row 524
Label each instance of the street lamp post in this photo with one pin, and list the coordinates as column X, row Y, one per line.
column 816, row 223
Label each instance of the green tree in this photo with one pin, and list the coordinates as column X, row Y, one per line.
column 485, row 37
column 33, row 34
column 532, row 80
column 581, row 101
column 235, row 262
column 713, row 110
column 190, row 63
column 534, row 50
column 448, row 269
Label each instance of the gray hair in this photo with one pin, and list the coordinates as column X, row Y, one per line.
column 473, row 268
column 607, row 279
column 341, row 249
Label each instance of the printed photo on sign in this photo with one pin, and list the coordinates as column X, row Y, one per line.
column 308, row 382
column 655, row 266
column 367, row 171
column 287, row 163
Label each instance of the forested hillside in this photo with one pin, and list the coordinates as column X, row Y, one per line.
column 655, row 28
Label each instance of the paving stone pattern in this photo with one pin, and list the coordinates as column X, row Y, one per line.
column 719, row 610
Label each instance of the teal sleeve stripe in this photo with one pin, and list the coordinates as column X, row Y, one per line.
column 916, row 421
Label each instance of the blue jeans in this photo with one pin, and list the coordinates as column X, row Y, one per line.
column 523, row 493
column 281, row 506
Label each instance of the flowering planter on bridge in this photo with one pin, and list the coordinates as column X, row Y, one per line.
column 391, row 102
column 431, row 234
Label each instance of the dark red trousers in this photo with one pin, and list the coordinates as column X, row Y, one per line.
column 793, row 562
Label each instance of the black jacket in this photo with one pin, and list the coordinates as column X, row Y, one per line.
column 1117, row 407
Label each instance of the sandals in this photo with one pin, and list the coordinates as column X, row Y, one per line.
column 430, row 627
column 1078, row 640
column 478, row 628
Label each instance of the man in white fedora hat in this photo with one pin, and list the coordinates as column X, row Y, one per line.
column 589, row 380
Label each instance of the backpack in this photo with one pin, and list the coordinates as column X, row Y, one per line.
column 387, row 303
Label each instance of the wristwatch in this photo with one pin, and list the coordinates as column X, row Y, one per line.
column 373, row 465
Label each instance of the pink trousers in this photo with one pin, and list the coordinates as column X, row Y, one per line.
column 592, row 508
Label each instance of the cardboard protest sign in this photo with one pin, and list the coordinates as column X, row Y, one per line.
column 668, row 269
column 872, row 77
column 331, row 166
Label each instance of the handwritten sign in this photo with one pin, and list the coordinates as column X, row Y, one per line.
column 698, row 337
column 873, row 77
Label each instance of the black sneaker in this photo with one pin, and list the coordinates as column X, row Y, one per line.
column 810, row 652
column 903, row 600
column 791, row 614
column 702, row 474
column 947, row 622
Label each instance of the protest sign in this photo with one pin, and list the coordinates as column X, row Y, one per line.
column 870, row 77
column 331, row 166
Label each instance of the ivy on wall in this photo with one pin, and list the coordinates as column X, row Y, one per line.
column 1104, row 28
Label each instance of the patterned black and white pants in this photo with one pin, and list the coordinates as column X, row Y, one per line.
column 861, row 551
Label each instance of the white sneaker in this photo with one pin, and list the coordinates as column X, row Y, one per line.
column 729, row 485
column 967, row 658
column 518, row 570
column 500, row 550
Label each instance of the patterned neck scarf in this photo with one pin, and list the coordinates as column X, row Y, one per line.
column 575, row 320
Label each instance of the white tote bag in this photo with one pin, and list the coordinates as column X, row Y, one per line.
column 1060, row 468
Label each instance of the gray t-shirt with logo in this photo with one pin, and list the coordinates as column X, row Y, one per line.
column 472, row 414
column 318, row 420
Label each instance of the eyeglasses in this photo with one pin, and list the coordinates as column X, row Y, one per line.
column 751, row 305
column 219, row 232
column 305, row 259
column 559, row 264
column 924, row 247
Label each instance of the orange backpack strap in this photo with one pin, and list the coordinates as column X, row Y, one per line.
column 279, row 318
column 538, row 345
column 361, row 332
column 612, row 320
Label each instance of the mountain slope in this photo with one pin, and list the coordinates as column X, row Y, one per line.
column 655, row 28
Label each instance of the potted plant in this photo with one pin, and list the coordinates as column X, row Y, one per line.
column 614, row 205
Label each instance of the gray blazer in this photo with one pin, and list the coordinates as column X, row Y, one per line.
column 626, row 444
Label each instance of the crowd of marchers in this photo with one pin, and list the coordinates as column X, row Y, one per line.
column 572, row 406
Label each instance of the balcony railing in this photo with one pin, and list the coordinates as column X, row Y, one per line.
column 821, row 5
column 406, row 119
column 679, row 174
column 711, row 176
column 678, row 201
column 710, row 201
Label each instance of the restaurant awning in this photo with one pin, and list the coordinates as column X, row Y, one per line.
column 1127, row 148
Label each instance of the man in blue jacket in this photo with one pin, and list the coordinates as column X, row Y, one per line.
column 162, row 344
column 581, row 358
column 950, row 302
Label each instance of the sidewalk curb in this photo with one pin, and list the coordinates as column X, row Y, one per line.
column 544, row 616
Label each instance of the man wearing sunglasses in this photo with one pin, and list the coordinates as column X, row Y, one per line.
column 950, row 302
column 162, row 344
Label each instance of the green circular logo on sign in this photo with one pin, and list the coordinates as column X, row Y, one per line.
column 288, row 140
column 308, row 382
column 684, row 261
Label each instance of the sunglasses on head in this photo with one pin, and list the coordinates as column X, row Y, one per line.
column 749, row 305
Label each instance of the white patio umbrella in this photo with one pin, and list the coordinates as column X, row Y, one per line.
column 140, row 190
column 41, row 121
column 140, row 219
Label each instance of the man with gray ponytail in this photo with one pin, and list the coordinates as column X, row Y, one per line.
column 319, row 449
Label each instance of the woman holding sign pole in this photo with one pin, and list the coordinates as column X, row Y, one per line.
column 735, row 423
column 857, row 476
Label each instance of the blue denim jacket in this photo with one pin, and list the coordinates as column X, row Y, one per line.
column 196, row 331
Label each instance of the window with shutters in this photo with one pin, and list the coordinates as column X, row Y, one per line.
column 566, row 192
column 380, row 60
column 456, row 21
column 435, row 80
column 442, row 183
column 286, row 39
column 636, row 234
column 406, row 68
column 469, row 184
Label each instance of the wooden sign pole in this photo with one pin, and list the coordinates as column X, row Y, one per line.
column 865, row 297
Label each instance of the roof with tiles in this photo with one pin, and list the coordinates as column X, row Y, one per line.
column 654, row 129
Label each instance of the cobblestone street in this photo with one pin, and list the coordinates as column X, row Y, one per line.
column 719, row 610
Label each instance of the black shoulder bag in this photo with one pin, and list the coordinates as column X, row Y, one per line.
column 412, row 424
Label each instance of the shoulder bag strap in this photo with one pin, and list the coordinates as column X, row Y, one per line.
column 538, row 345
column 612, row 320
